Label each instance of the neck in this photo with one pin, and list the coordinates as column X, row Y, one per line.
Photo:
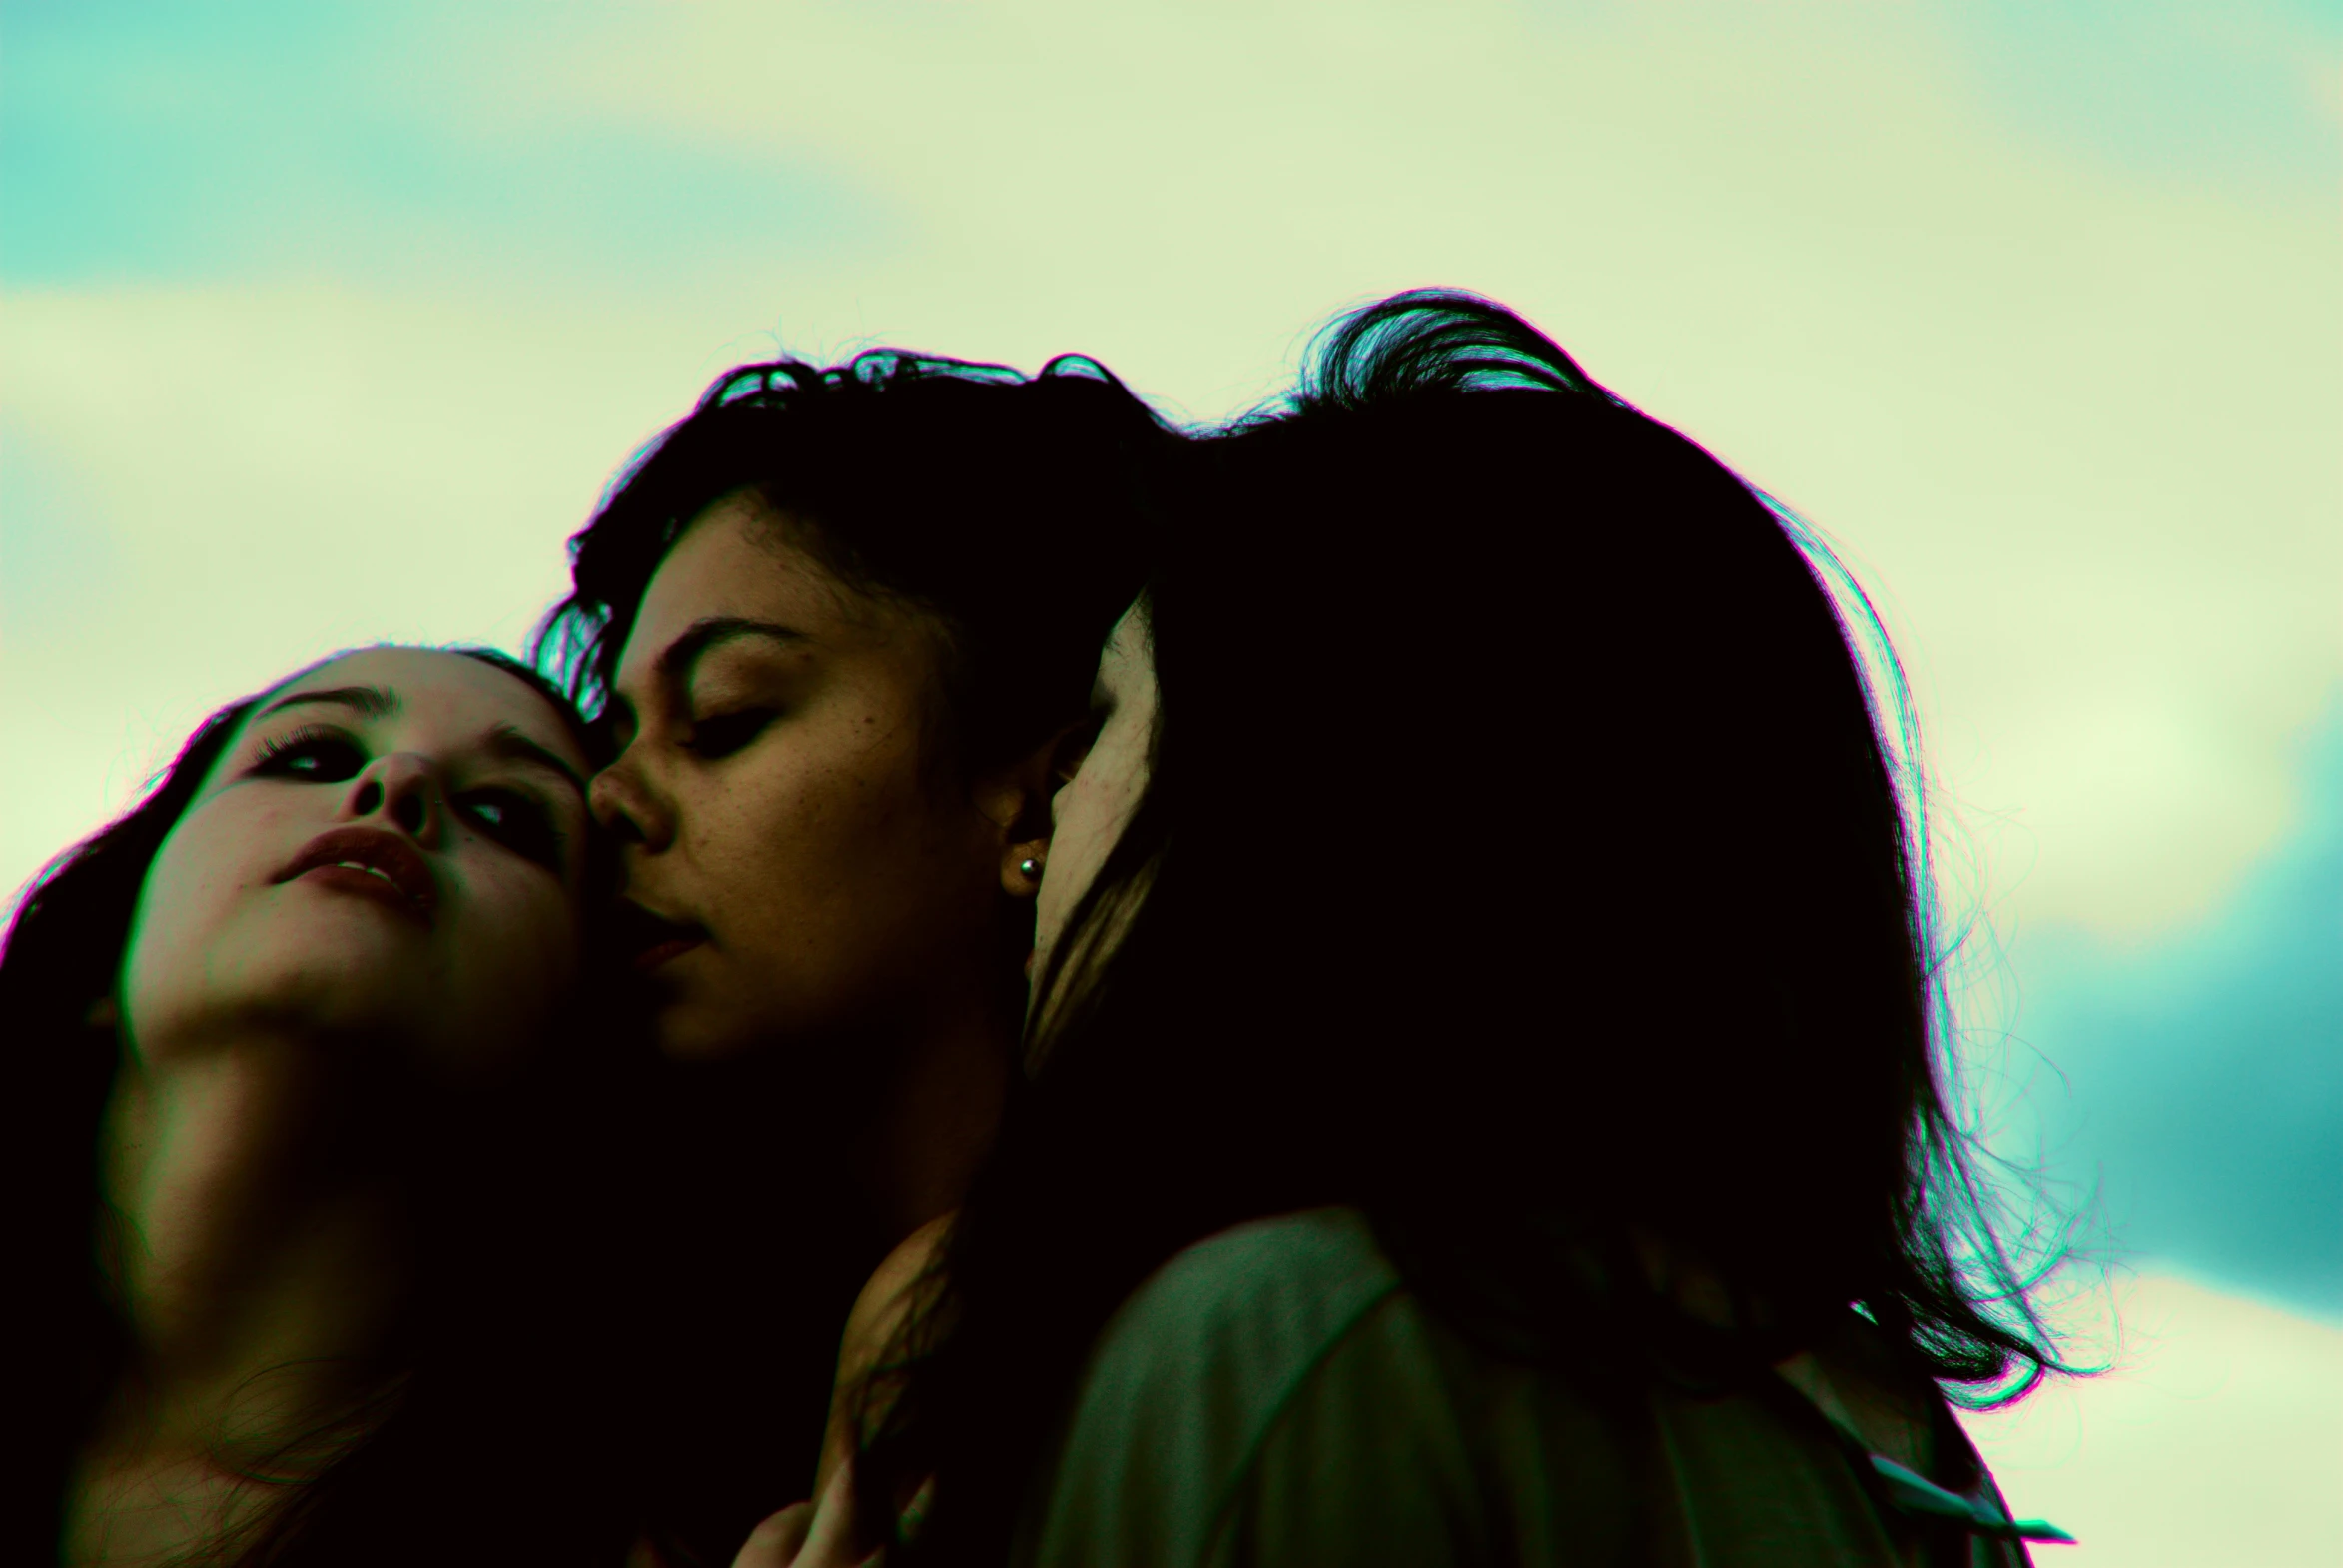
column 263, row 1267
column 935, row 1121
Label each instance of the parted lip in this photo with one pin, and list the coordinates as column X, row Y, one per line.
column 647, row 939
column 372, row 852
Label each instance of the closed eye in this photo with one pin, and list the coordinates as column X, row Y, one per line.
column 722, row 734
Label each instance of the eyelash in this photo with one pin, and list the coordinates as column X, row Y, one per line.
column 528, row 832
column 531, row 835
column 277, row 756
column 720, row 735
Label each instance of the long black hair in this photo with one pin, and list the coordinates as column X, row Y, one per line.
column 1010, row 511
column 480, row 1452
column 1526, row 860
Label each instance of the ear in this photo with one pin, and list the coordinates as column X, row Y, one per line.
column 1015, row 799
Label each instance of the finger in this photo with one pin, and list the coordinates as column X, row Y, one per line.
column 914, row 1517
column 777, row 1542
column 831, row 1541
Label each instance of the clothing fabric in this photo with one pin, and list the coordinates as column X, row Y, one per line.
column 1276, row 1394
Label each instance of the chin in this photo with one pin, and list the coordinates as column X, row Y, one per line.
column 332, row 978
column 688, row 1032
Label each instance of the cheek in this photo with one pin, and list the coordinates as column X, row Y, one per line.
column 1073, row 843
column 184, row 909
column 839, row 890
column 852, row 836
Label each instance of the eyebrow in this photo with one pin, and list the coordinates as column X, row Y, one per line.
column 373, row 702
column 510, row 744
column 377, row 703
column 676, row 660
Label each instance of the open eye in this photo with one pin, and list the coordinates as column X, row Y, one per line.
column 722, row 734
column 312, row 755
column 520, row 822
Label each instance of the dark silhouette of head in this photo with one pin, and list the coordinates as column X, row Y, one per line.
column 1524, row 858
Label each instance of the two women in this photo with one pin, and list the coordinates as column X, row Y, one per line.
column 839, row 628
column 298, row 1047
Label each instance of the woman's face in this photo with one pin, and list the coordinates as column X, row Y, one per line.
column 392, row 848
column 803, row 869
column 1096, row 805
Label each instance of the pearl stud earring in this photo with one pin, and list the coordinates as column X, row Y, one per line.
column 1030, row 868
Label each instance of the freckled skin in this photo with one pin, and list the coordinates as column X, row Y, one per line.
column 844, row 886
column 861, row 895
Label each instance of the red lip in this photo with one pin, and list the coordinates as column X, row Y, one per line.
column 653, row 957
column 372, row 863
column 649, row 940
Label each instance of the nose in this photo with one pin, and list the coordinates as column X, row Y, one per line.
column 629, row 808
column 403, row 788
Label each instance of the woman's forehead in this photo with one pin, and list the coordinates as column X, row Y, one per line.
column 429, row 685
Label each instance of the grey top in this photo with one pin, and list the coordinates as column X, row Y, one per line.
column 1276, row 1394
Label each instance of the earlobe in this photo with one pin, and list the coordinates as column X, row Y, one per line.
column 1022, row 865
column 1016, row 800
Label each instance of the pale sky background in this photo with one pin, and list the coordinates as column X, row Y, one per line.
column 321, row 324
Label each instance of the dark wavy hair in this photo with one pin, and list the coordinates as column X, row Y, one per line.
column 1009, row 509
column 1527, row 860
column 481, row 1452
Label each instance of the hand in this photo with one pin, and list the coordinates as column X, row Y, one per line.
column 809, row 1535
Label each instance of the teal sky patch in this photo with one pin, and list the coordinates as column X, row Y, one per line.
column 279, row 142
column 2231, row 92
column 2203, row 1070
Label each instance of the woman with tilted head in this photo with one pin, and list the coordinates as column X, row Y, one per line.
column 841, row 621
column 298, row 1051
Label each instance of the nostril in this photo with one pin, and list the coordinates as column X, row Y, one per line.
column 369, row 798
column 408, row 812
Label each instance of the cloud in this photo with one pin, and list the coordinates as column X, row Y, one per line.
column 327, row 323
column 2214, row 1441
column 2071, row 414
column 2238, row 93
column 313, row 142
column 2195, row 1079
column 204, row 487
